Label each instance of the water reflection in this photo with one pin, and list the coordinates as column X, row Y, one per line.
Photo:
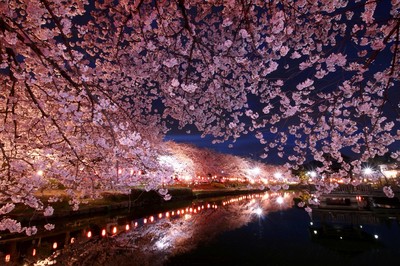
column 157, row 237
column 341, row 223
column 150, row 239
column 350, row 223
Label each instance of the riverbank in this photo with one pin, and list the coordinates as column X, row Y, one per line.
column 138, row 198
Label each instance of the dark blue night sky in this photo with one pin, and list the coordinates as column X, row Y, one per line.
column 246, row 146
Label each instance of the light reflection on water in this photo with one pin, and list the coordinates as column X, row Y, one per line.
column 151, row 239
column 260, row 227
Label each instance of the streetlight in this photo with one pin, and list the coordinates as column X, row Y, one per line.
column 278, row 175
column 258, row 211
column 256, row 170
column 367, row 171
column 279, row 200
column 312, row 174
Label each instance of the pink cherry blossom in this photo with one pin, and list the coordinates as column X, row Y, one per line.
column 49, row 227
column 86, row 103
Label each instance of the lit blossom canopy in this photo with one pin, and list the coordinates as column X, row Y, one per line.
column 88, row 88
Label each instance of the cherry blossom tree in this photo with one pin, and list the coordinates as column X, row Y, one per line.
column 88, row 88
column 192, row 161
column 237, row 67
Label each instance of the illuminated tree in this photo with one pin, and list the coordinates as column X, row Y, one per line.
column 180, row 158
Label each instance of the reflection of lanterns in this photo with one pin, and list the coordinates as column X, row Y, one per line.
column 89, row 234
column 55, row 245
column 114, row 230
column 8, row 258
column 103, row 232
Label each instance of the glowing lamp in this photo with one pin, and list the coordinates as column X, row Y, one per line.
column 279, row 200
column 256, row 170
column 367, row 171
column 312, row 174
column 278, row 175
column 258, row 211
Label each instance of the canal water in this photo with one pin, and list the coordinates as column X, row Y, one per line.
column 255, row 229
